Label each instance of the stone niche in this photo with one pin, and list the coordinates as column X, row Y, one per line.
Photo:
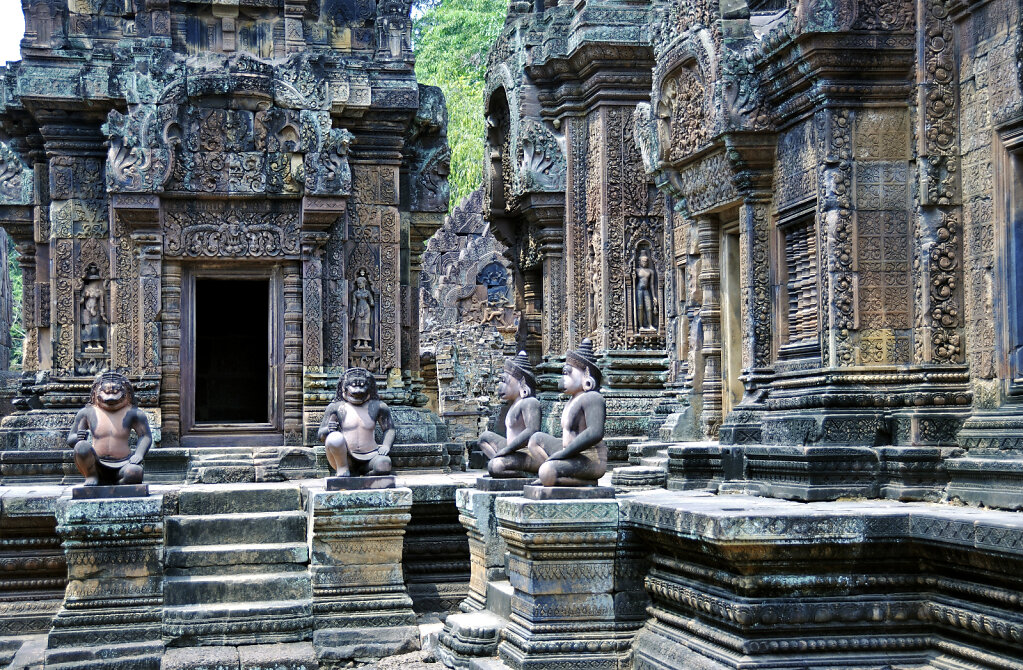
column 225, row 204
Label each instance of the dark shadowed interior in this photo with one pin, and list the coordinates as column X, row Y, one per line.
column 231, row 361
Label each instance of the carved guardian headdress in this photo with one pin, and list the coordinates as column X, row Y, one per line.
column 351, row 373
column 117, row 378
column 519, row 368
column 585, row 359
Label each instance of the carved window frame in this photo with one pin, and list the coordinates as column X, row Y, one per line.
column 803, row 216
column 1008, row 302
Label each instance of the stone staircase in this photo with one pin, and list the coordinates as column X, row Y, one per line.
column 648, row 466
column 236, row 567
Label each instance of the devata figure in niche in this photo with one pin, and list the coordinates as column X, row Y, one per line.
column 362, row 314
column 508, row 455
column 646, row 293
column 348, row 426
column 579, row 457
column 110, row 417
column 93, row 317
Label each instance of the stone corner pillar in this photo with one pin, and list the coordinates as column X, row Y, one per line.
column 562, row 568
column 486, row 547
column 361, row 606
column 114, row 597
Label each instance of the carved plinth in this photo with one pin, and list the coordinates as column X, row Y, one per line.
column 486, row 548
column 496, row 484
column 361, row 606
column 694, row 466
column 111, row 614
column 562, row 567
column 360, row 483
column 114, row 491
column 812, row 472
column 990, row 471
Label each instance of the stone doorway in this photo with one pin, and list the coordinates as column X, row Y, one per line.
column 231, row 351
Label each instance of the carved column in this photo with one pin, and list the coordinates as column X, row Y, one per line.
column 30, row 345
column 150, row 246
column 710, row 319
column 292, row 353
column 170, row 385
column 755, row 255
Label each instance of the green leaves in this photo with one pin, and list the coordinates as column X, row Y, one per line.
column 451, row 41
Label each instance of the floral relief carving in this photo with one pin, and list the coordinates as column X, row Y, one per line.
column 684, row 94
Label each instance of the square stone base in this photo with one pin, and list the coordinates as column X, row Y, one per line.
column 114, row 491
column 568, row 492
column 337, row 646
column 489, row 483
column 360, row 483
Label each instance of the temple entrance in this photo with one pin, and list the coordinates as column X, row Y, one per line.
column 229, row 369
column 232, row 370
column 731, row 320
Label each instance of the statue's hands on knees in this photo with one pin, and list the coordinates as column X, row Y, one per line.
column 558, row 455
column 136, row 459
column 83, row 434
column 383, row 450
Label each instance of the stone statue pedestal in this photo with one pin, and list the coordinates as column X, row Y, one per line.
column 562, row 566
column 360, row 483
column 568, row 492
column 361, row 605
column 112, row 605
column 502, row 484
column 115, row 491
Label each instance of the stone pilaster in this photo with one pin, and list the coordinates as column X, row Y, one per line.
column 486, row 547
column 112, row 605
column 562, row 567
column 361, row 605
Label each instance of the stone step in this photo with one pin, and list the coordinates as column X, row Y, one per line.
column 243, row 588
column 499, row 596
column 655, row 462
column 233, row 555
column 238, row 528
column 212, row 499
column 140, row 654
column 237, row 623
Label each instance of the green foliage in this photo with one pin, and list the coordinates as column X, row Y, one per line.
column 451, row 40
column 17, row 330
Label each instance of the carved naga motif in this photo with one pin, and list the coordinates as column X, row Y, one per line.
column 327, row 171
column 683, row 94
column 16, row 180
column 542, row 164
column 141, row 154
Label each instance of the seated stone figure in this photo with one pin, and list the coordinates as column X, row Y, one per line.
column 110, row 417
column 348, row 426
column 579, row 456
column 508, row 455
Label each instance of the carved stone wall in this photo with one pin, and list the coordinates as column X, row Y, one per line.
column 148, row 144
column 469, row 318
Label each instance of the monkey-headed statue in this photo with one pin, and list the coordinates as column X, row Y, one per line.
column 509, row 456
column 107, row 458
column 579, row 456
column 348, row 426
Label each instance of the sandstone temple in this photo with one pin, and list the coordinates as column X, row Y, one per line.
column 789, row 229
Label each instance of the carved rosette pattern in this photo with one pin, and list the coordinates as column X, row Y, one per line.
column 595, row 274
column 938, row 145
column 835, row 224
column 618, row 119
column 575, row 232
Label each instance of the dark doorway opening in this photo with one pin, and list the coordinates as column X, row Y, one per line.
column 232, row 362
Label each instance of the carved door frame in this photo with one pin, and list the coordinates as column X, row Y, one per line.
column 270, row 433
